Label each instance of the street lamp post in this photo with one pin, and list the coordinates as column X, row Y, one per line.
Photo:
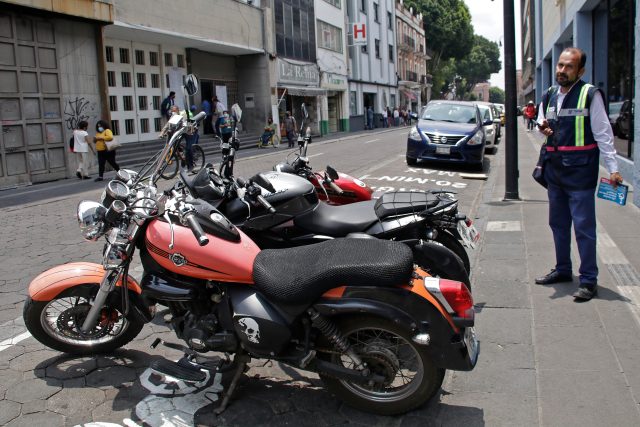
column 511, row 154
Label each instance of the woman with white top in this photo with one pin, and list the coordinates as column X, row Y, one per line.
column 81, row 146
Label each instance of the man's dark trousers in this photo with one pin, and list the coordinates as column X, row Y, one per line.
column 578, row 206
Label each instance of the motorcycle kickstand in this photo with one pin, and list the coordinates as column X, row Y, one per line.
column 242, row 364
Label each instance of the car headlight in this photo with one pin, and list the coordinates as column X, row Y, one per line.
column 476, row 139
column 415, row 134
column 90, row 218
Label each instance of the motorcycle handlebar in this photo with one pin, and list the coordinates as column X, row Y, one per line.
column 194, row 225
column 198, row 117
column 265, row 203
column 335, row 187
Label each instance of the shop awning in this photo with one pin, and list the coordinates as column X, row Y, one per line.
column 304, row 91
column 410, row 95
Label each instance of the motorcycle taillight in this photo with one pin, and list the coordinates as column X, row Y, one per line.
column 458, row 297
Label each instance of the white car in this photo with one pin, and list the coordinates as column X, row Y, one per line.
column 489, row 125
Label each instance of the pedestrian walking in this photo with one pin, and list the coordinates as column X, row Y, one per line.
column 573, row 118
column 530, row 114
column 290, row 127
column 165, row 107
column 370, row 118
column 396, row 117
column 103, row 133
column 389, row 117
column 385, row 117
column 208, row 126
column 218, row 109
column 225, row 125
column 82, row 147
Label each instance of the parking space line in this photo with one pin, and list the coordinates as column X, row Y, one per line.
column 373, row 140
column 8, row 343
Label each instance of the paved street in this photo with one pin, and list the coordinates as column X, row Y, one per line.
column 544, row 360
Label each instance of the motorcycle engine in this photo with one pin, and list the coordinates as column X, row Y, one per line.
column 202, row 333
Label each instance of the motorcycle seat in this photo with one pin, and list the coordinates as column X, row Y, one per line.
column 404, row 202
column 338, row 221
column 301, row 275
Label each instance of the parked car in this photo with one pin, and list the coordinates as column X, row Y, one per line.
column 502, row 115
column 491, row 125
column 449, row 131
column 624, row 122
column 497, row 116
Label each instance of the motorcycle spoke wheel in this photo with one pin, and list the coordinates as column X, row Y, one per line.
column 198, row 158
column 170, row 169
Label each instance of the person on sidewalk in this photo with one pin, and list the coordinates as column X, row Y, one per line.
column 369, row 118
column 385, row 117
column 81, row 146
column 290, row 126
column 103, row 133
column 530, row 114
column 573, row 118
column 167, row 103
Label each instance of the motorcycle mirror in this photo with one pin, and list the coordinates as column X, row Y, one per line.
column 304, row 111
column 263, row 182
column 191, row 84
column 236, row 112
column 333, row 174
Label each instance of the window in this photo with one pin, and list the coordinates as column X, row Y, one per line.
column 115, row 127
column 125, row 76
column 329, row 37
column 167, row 80
column 180, row 61
column 168, row 60
column 363, row 6
column 336, row 3
column 391, row 59
column 393, row 101
column 144, row 125
column 113, row 103
column 364, row 49
column 377, row 43
column 157, row 124
column 155, row 81
column 139, row 57
column 127, row 103
column 353, row 105
column 111, row 78
column 142, row 79
column 124, row 55
column 375, row 12
column 142, row 103
column 153, row 58
column 390, row 20
column 108, row 52
column 156, row 102
column 129, row 127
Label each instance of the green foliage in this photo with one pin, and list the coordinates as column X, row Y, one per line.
column 496, row 95
column 483, row 61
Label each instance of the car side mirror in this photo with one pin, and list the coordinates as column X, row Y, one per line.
column 332, row 173
column 487, row 122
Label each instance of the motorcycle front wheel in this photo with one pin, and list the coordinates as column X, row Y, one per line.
column 411, row 378
column 56, row 323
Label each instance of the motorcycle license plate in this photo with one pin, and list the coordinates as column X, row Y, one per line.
column 469, row 234
column 471, row 341
column 443, row 150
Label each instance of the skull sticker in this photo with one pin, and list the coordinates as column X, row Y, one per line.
column 250, row 328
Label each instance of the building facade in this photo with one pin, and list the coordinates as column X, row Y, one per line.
column 412, row 57
column 372, row 67
column 606, row 31
column 527, row 37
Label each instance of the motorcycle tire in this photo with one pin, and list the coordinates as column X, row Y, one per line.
column 385, row 345
column 198, row 158
column 449, row 241
column 170, row 168
column 70, row 341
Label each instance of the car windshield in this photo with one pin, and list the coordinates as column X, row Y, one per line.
column 444, row 112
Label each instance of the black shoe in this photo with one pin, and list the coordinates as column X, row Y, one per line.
column 78, row 175
column 98, row 179
column 86, row 177
column 585, row 293
column 553, row 277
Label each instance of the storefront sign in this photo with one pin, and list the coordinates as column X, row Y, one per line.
column 298, row 73
column 334, row 81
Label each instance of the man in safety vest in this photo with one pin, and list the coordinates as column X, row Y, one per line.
column 573, row 118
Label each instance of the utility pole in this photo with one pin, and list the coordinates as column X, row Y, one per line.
column 511, row 154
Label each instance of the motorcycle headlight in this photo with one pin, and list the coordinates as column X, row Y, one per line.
column 476, row 139
column 90, row 219
column 414, row 134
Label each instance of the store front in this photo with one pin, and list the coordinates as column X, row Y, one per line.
column 298, row 83
column 334, row 112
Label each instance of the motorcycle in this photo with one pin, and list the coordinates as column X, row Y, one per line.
column 379, row 332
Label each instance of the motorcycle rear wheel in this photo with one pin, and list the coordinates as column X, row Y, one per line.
column 388, row 350
column 55, row 323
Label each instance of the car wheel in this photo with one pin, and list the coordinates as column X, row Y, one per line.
column 412, row 162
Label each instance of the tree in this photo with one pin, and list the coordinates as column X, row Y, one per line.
column 496, row 95
column 483, row 61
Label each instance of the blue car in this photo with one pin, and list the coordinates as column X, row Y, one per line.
column 450, row 131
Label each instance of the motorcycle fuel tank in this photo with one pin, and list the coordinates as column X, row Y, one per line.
column 220, row 260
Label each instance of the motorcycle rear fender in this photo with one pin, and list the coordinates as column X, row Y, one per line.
column 429, row 253
column 411, row 306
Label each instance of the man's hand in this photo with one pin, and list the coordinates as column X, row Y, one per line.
column 544, row 128
column 615, row 179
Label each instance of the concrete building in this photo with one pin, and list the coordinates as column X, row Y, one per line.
column 481, row 91
column 372, row 67
column 412, row 57
column 331, row 45
column 50, row 73
column 606, row 31
column 527, row 37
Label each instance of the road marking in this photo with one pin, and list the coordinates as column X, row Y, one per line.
column 315, row 155
column 8, row 343
column 373, row 140
column 503, row 226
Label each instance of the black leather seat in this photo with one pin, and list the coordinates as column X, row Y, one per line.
column 298, row 276
column 338, row 221
column 404, row 202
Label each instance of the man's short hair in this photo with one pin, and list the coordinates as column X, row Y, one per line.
column 172, row 93
column 577, row 50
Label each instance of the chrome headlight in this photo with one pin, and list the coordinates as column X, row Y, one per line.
column 476, row 139
column 90, row 218
column 415, row 134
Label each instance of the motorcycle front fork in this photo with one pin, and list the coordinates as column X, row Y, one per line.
column 106, row 287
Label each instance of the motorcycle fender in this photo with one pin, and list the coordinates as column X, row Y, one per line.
column 49, row 284
column 429, row 253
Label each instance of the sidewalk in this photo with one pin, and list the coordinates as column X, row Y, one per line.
column 545, row 359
